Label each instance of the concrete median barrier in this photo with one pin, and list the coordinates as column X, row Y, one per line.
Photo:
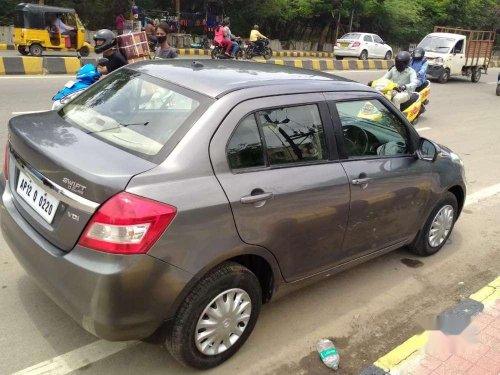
column 70, row 65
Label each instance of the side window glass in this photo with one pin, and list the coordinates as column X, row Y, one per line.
column 293, row 134
column 245, row 149
column 378, row 40
column 459, row 47
column 370, row 129
column 368, row 38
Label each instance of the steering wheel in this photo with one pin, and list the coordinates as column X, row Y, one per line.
column 357, row 139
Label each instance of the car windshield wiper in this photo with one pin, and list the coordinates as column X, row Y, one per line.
column 119, row 126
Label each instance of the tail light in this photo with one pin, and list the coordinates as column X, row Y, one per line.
column 127, row 224
column 6, row 162
column 356, row 44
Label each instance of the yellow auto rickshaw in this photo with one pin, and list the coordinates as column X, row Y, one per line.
column 38, row 28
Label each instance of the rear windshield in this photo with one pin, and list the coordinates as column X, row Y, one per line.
column 351, row 36
column 135, row 112
column 437, row 44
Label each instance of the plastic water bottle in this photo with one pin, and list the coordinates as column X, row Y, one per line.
column 328, row 353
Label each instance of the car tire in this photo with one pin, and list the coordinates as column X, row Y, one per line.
column 425, row 244
column 181, row 339
column 476, row 75
column 444, row 77
column 388, row 55
column 36, row 50
column 339, row 57
column 364, row 55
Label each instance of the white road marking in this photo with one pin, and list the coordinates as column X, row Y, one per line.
column 28, row 112
column 482, row 194
column 422, row 129
column 78, row 358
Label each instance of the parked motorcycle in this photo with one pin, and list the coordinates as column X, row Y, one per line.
column 218, row 51
column 85, row 77
column 412, row 109
column 253, row 50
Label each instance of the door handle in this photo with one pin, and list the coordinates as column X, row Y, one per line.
column 250, row 199
column 361, row 181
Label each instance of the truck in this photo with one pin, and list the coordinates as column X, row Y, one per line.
column 457, row 52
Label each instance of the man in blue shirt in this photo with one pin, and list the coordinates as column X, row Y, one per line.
column 420, row 65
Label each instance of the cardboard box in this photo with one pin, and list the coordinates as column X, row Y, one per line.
column 133, row 45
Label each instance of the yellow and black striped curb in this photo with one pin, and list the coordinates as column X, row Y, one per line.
column 37, row 65
column 456, row 318
column 326, row 64
column 4, row 46
column 27, row 65
column 205, row 52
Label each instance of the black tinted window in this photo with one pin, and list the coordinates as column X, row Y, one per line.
column 245, row 147
column 293, row 134
column 370, row 129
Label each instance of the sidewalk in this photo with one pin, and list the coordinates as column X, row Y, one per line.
column 465, row 341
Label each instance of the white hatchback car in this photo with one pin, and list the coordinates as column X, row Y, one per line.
column 363, row 46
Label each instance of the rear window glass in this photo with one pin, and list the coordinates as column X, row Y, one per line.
column 351, row 36
column 133, row 111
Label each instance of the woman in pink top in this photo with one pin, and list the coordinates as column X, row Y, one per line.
column 120, row 24
column 220, row 39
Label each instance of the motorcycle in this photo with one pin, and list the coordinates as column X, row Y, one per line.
column 218, row 51
column 85, row 77
column 412, row 109
column 253, row 50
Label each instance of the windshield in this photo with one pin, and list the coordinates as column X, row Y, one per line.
column 437, row 44
column 133, row 111
column 351, row 36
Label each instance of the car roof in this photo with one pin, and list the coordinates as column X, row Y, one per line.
column 35, row 8
column 216, row 78
column 448, row 35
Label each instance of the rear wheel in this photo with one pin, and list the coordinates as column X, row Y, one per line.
column 363, row 55
column 84, row 51
column 339, row 57
column 388, row 55
column 36, row 50
column 444, row 77
column 216, row 318
column 476, row 75
column 437, row 228
column 22, row 50
column 268, row 53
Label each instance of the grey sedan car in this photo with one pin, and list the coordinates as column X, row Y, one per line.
column 187, row 194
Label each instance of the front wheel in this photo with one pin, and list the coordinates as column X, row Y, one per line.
column 216, row 318
column 437, row 228
column 213, row 54
column 268, row 53
column 444, row 77
column 476, row 75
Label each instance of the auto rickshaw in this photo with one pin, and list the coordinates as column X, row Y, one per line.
column 36, row 30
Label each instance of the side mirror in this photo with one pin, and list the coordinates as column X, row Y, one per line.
column 427, row 150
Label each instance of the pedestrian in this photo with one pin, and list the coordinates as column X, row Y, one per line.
column 163, row 50
column 120, row 24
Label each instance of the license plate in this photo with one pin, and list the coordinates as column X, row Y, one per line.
column 344, row 44
column 39, row 200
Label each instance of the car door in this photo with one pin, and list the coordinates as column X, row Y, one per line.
column 390, row 186
column 457, row 58
column 380, row 47
column 369, row 45
column 277, row 162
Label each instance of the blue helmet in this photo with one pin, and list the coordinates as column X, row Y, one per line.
column 88, row 74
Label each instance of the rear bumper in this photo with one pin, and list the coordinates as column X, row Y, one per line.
column 347, row 52
column 114, row 297
column 435, row 71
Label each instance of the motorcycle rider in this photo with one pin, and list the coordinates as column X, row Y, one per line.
column 256, row 38
column 219, row 38
column 406, row 78
column 231, row 37
column 420, row 65
column 105, row 43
